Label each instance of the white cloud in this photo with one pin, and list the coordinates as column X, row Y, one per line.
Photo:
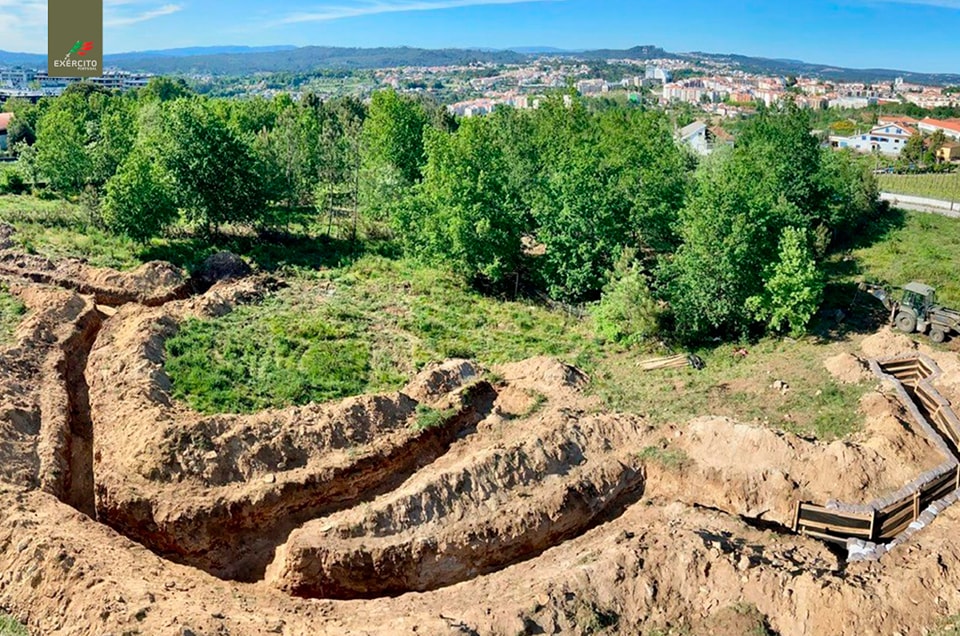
column 24, row 25
column 373, row 7
column 112, row 21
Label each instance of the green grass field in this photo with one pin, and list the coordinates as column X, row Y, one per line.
column 9, row 626
column 364, row 327
column 370, row 326
column 933, row 186
column 349, row 325
column 59, row 228
column 918, row 246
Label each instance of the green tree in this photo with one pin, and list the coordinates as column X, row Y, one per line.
column 464, row 214
column 627, row 312
column 164, row 89
column 140, row 201
column 23, row 126
column 215, row 172
column 116, row 133
column 61, row 151
column 583, row 222
column 852, row 194
column 651, row 173
column 913, row 150
column 288, row 155
column 392, row 149
column 794, row 287
column 725, row 243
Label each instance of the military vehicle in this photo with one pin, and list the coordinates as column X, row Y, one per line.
column 916, row 310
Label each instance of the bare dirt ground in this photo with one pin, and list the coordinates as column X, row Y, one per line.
column 524, row 509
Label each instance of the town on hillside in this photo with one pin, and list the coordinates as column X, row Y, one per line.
column 710, row 97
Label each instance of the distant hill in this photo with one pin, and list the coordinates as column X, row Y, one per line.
column 827, row 72
column 236, row 60
column 307, row 58
column 635, row 53
column 200, row 50
column 30, row 60
column 527, row 50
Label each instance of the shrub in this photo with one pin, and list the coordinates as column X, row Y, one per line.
column 11, row 181
column 793, row 288
column 627, row 312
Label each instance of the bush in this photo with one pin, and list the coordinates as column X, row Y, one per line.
column 140, row 200
column 793, row 289
column 627, row 312
column 11, row 181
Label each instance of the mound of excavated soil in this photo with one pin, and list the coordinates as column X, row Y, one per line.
column 222, row 266
column 847, row 368
column 439, row 379
column 760, row 473
column 886, row 343
column 152, row 283
column 524, row 510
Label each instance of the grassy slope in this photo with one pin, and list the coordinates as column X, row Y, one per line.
column 365, row 327
column 922, row 247
column 393, row 317
column 369, row 325
column 934, row 186
column 59, row 228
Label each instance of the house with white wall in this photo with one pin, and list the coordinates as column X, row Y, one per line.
column 887, row 138
column 950, row 127
column 695, row 136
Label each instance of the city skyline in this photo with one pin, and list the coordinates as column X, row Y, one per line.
column 911, row 35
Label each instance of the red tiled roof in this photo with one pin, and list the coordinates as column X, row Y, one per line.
column 898, row 119
column 5, row 121
column 942, row 123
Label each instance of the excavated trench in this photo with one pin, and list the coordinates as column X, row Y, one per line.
column 66, row 426
column 376, row 525
column 372, row 567
column 80, row 485
column 236, row 540
column 493, row 508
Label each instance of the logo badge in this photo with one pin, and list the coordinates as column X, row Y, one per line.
column 68, row 56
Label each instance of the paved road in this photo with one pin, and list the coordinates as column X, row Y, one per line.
column 921, row 204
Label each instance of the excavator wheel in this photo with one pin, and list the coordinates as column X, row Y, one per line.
column 938, row 335
column 907, row 323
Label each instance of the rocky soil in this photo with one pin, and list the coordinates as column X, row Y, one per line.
column 525, row 509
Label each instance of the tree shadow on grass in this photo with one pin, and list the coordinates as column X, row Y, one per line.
column 887, row 220
column 846, row 310
column 269, row 251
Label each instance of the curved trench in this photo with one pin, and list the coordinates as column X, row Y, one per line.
column 248, row 538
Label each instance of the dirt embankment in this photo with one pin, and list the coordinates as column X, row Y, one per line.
column 526, row 510
column 151, row 284
column 506, row 501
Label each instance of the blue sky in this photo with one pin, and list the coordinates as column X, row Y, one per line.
column 921, row 35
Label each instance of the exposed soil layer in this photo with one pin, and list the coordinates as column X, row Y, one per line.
column 498, row 505
column 525, row 510
column 152, row 283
